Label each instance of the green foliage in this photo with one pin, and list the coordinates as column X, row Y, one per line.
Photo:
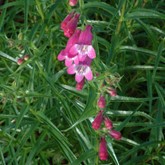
column 45, row 120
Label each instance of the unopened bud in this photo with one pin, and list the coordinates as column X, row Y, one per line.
column 26, row 57
column 20, row 61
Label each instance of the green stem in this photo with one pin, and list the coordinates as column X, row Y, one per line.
column 120, row 19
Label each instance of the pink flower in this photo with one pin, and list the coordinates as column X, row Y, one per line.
column 83, row 47
column 73, row 2
column 101, row 102
column 108, row 123
column 80, row 85
column 103, row 153
column 97, row 121
column 69, row 24
column 63, row 55
column 115, row 134
column 81, row 70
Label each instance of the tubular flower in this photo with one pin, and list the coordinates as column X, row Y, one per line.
column 83, row 47
column 97, row 121
column 103, row 153
column 73, row 2
column 115, row 134
column 63, row 55
column 79, row 86
column 108, row 123
column 71, row 25
column 101, row 102
column 81, row 70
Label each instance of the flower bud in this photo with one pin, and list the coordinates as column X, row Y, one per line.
column 108, row 123
column 112, row 92
column 97, row 121
column 101, row 102
column 103, row 153
column 73, row 2
column 26, row 57
column 20, row 61
column 115, row 134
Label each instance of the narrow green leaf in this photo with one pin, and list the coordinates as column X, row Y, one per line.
column 130, row 99
column 100, row 5
column 59, row 137
column 140, row 50
column 2, row 18
column 26, row 11
column 40, row 9
column 159, row 53
column 88, row 154
column 36, row 148
column 149, row 88
column 2, row 157
column 144, row 13
column 7, row 56
column 127, row 113
column 112, row 152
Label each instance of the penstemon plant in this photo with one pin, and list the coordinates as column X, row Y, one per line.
column 78, row 55
column 82, row 82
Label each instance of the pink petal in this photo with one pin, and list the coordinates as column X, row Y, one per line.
column 73, row 50
column 82, row 57
column 61, row 55
column 87, row 61
column 68, row 62
column 71, row 69
column 88, row 74
column 76, row 60
column 91, row 52
column 79, row 77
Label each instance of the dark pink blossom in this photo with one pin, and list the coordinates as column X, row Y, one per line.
column 81, row 70
column 108, row 123
column 64, row 54
column 83, row 47
column 73, row 2
column 101, row 102
column 115, row 134
column 103, row 153
column 80, row 85
column 98, row 120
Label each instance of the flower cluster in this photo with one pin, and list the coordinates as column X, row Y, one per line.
column 78, row 55
column 101, row 120
column 79, row 52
